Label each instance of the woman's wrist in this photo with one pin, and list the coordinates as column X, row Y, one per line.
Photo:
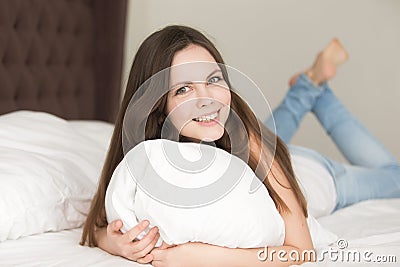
column 101, row 239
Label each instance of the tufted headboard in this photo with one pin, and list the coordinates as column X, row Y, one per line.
column 62, row 56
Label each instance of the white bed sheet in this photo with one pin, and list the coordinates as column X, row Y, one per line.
column 56, row 249
column 370, row 225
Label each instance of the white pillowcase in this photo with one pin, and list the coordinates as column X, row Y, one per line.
column 49, row 169
column 238, row 219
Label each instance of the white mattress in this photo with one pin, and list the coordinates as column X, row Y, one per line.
column 56, row 249
column 370, row 225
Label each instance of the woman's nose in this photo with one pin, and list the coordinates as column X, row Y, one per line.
column 203, row 95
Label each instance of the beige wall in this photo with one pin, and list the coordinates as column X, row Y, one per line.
column 271, row 40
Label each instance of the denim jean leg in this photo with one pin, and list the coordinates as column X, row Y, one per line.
column 357, row 183
column 298, row 101
column 355, row 142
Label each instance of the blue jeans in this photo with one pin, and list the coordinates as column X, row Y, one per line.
column 373, row 171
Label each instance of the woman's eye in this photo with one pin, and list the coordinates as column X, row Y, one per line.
column 182, row 90
column 214, row 79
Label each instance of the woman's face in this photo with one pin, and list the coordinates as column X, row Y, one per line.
column 198, row 102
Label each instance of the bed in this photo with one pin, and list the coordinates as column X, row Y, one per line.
column 60, row 78
column 363, row 226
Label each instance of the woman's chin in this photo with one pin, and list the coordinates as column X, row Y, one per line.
column 211, row 137
column 208, row 137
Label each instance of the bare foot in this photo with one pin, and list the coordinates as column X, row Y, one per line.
column 324, row 67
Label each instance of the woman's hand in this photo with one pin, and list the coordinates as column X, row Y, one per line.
column 192, row 254
column 125, row 245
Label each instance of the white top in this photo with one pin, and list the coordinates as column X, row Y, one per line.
column 316, row 183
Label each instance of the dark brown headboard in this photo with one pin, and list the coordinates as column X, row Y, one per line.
column 62, row 57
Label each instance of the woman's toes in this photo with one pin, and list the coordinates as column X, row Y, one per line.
column 335, row 52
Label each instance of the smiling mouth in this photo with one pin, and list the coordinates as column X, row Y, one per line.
column 207, row 118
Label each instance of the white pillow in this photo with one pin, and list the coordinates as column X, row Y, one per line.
column 48, row 172
column 236, row 219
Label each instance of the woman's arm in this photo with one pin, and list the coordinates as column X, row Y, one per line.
column 194, row 254
column 297, row 233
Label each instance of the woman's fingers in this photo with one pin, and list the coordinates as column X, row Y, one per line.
column 146, row 259
column 137, row 250
column 147, row 249
column 114, row 227
column 158, row 254
column 135, row 231
column 126, row 246
column 147, row 239
column 165, row 245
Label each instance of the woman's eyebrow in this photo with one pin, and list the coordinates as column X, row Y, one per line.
column 179, row 83
column 212, row 73
column 191, row 82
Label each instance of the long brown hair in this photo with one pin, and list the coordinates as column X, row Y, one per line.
column 155, row 54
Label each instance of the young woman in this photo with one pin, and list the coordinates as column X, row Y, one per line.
column 176, row 45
